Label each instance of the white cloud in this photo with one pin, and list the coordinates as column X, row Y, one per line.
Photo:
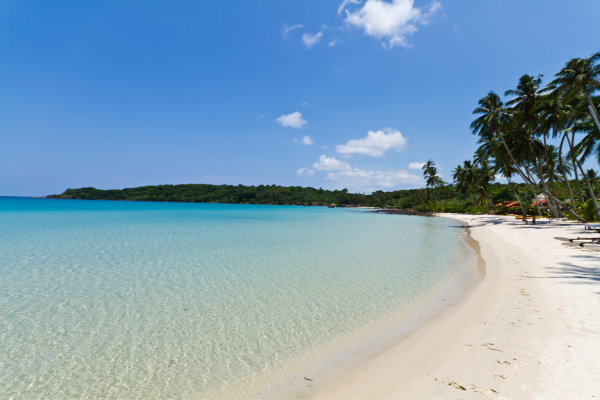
column 305, row 172
column 310, row 40
column 333, row 42
column 375, row 144
column 293, row 120
column 416, row 165
column 345, row 3
column 305, row 140
column 360, row 180
column 324, row 147
column 305, row 103
column 287, row 29
column 260, row 116
column 392, row 21
column 330, row 164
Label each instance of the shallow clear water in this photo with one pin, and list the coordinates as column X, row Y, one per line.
column 129, row 300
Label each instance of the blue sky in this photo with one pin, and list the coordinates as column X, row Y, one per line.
column 116, row 94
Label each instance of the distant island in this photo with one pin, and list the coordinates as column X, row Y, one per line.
column 280, row 195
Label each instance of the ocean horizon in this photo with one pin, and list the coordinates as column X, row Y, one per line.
column 120, row 299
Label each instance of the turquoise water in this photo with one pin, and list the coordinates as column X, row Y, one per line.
column 128, row 300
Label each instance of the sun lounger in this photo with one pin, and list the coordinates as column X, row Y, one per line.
column 590, row 246
column 580, row 239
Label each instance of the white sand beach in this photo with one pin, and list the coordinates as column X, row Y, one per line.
column 531, row 328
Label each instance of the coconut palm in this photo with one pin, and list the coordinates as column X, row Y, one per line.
column 551, row 168
column 502, row 165
column 581, row 75
column 470, row 177
column 526, row 96
column 554, row 115
column 593, row 177
column 494, row 118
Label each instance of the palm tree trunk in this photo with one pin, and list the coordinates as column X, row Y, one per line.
column 510, row 185
column 551, row 175
column 592, row 107
column 562, row 170
column 594, row 201
column 549, row 202
column 525, row 178
column 575, row 167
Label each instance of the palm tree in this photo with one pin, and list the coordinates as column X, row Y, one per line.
column 551, row 168
column 502, row 166
column 470, row 176
column 485, row 174
column 553, row 115
column 592, row 177
column 581, row 74
column 427, row 167
column 527, row 95
column 493, row 119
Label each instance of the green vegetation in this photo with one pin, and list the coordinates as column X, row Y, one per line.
column 445, row 198
column 513, row 143
column 200, row 193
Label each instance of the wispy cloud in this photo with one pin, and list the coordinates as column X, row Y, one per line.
column 330, row 164
column 345, row 3
column 293, row 120
column 310, row 40
column 416, row 165
column 392, row 21
column 333, row 42
column 324, row 147
column 361, row 180
column 305, row 172
column 260, row 116
column 287, row 29
column 375, row 144
column 306, row 140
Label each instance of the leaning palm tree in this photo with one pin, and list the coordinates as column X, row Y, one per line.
column 493, row 119
column 502, row 165
column 554, row 114
column 581, row 75
column 551, row 168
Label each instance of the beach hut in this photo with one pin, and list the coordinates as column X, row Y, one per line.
column 541, row 200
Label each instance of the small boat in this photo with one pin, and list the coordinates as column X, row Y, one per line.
column 590, row 246
column 331, row 206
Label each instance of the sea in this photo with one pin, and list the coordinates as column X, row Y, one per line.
column 147, row 300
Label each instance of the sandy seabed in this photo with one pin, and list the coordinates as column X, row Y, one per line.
column 531, row 328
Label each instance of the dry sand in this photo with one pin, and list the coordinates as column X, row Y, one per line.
column 531, row 329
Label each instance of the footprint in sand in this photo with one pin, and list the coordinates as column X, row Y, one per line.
column 451, row 383
column 503, row 362
column 487, row 392
column 488, row 344
column 500, row 377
